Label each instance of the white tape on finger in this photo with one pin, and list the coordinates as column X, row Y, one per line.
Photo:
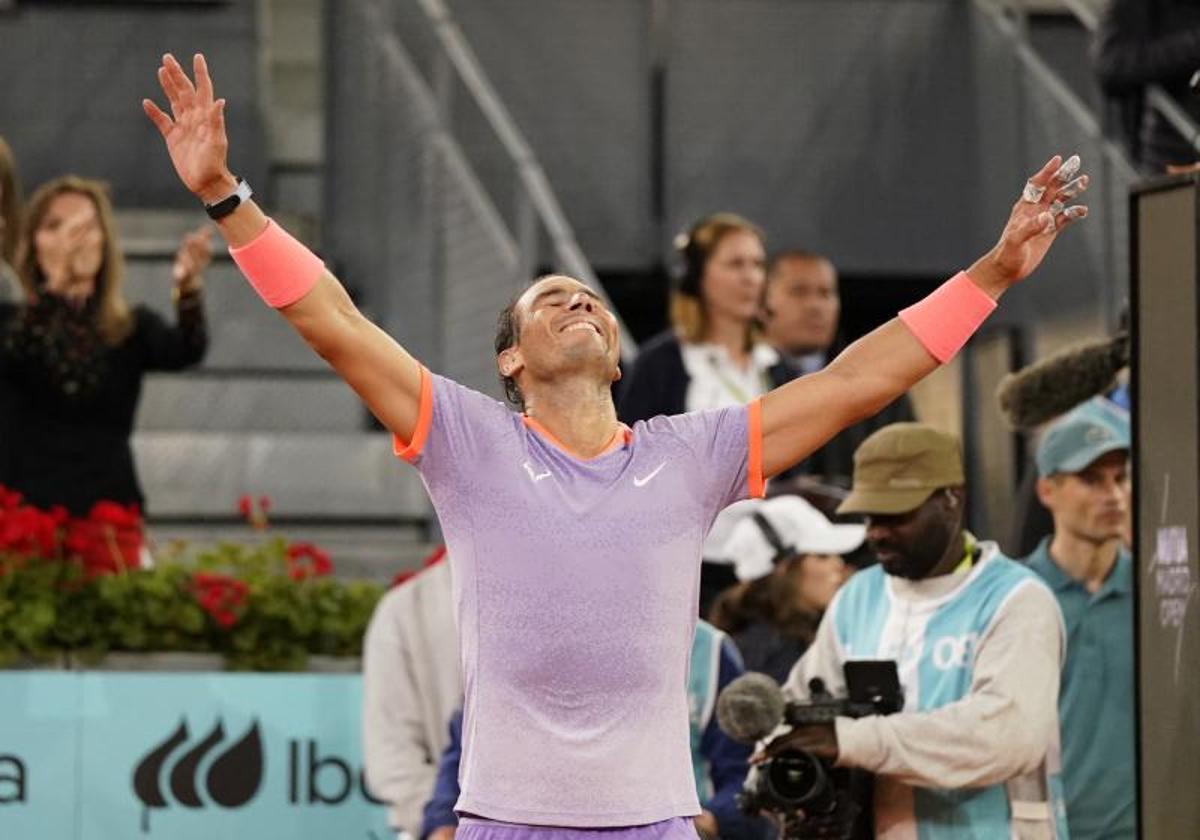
column 1068, row 170
column 1074, row 188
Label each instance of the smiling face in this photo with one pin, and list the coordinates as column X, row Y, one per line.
column 560, row 326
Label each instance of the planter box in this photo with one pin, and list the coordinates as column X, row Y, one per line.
column 171, row 662
column 335, row 664
column 179, row 662
column 57, row 662
column 150, row 661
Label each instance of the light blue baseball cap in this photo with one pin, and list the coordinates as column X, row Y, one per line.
column 1082, row 435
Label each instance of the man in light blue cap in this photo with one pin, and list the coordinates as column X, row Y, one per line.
column 1083, row 479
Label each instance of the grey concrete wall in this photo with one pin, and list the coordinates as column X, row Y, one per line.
column 74, row 77
column 893, row 135
column 843, row 127
column 576, row 75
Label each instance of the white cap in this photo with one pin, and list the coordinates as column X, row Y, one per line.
column 722, row 527
column 801, row 528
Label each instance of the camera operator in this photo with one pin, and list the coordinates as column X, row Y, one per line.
column 978, row 641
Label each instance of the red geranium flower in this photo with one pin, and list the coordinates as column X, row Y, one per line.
column 118, row 516
column 9, row 499
column 305, row 560
column 255, row 514
column 28, row 531
column 108, row 541
column 221, row 596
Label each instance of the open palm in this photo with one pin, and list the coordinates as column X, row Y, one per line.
column 1033, row 225
column 195, row 131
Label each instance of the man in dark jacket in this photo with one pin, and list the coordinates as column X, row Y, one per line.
column 800, row 315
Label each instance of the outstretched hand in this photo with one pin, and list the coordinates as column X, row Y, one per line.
column 195, row 131
column 1036, row 220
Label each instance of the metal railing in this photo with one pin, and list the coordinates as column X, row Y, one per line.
column 1111, row 170
column 437, row 208
column 535, row 188
column 1048, row 113
column 1156, row 97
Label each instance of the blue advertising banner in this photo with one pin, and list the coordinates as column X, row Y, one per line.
column 39, row 740
column 99, row 756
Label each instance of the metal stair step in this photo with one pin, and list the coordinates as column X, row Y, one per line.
column 266, row 401
column 196, row 475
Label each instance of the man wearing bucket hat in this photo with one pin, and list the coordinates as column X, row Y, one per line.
column 1083, row 479
column 978, row 643
column 788, row 557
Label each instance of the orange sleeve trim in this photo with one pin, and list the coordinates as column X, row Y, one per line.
column 410, row 451
column 754, row 466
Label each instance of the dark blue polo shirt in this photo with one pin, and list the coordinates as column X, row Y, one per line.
column 1095, row 704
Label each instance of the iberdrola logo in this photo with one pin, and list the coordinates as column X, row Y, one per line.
column 170, row 771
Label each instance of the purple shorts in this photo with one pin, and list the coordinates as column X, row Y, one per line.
column 474, row 828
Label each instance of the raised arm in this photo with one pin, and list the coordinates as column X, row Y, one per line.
column 797, row 418
column 383, row 374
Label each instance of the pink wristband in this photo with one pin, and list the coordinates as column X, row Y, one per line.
column 278, row 266
column 946, row 319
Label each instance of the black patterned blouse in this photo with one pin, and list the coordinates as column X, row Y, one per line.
column 68, row 399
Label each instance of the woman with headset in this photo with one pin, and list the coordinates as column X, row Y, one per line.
column 712, row 355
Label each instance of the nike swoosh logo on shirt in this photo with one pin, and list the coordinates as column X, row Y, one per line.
column 641, row 482
column 538, row 477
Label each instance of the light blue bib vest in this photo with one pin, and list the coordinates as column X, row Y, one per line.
column 702, row 698
column 934, row 647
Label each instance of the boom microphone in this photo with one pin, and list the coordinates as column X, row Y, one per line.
column 750, row 708
column 1042, row 391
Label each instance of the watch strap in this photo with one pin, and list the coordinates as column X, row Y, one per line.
column 222, row 208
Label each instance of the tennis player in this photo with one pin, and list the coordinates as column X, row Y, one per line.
column 574, row 540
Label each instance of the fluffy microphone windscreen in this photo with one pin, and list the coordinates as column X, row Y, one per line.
column 1042, row 391
column 750, row 708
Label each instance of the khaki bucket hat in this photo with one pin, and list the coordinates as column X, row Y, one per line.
column 900, row 466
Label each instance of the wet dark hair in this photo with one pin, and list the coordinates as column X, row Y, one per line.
column 508, row 330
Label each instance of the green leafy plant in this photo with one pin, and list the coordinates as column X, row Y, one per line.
column 79, row 588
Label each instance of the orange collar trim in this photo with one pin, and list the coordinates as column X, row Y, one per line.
column 623, row 436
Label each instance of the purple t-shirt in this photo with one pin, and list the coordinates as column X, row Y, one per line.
column 575, row 585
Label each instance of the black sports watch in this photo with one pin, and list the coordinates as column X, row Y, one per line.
column 227, row 205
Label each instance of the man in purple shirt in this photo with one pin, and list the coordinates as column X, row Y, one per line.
column 575, row 541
